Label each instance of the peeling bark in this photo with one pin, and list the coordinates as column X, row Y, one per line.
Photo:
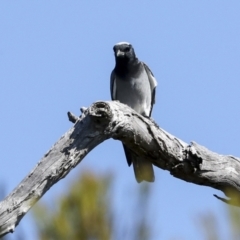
column 101, row 121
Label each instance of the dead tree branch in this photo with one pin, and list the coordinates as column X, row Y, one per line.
column 104, row 120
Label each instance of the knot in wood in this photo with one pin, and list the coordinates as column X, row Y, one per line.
column 101, row 113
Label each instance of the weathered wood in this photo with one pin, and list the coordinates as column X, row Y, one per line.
column 104, row 120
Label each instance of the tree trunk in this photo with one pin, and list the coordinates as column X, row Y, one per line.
column 103, row 120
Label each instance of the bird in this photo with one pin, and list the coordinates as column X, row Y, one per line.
column 133, row 83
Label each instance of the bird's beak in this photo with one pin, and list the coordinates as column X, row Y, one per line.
column 120, row 53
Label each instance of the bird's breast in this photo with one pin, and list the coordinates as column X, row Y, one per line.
column 135, row 92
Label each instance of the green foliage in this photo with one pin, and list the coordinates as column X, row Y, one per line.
column 85, row 212
column 234, row 216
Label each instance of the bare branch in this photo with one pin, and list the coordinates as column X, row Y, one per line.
column 104, row 120
column 72, row 118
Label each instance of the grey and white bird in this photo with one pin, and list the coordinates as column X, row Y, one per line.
column 133, row 84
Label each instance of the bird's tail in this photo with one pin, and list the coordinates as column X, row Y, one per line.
column 143, row 168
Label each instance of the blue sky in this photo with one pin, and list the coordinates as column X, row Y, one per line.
column 56, row 56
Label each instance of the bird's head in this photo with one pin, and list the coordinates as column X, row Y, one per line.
column 124, row 51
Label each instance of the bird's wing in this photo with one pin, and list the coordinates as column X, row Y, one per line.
column 153, row 84
column 113, row 85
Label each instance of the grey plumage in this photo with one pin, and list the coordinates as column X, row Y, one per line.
column 133, row 84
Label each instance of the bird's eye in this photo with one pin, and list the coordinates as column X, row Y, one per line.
column 127, row 49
